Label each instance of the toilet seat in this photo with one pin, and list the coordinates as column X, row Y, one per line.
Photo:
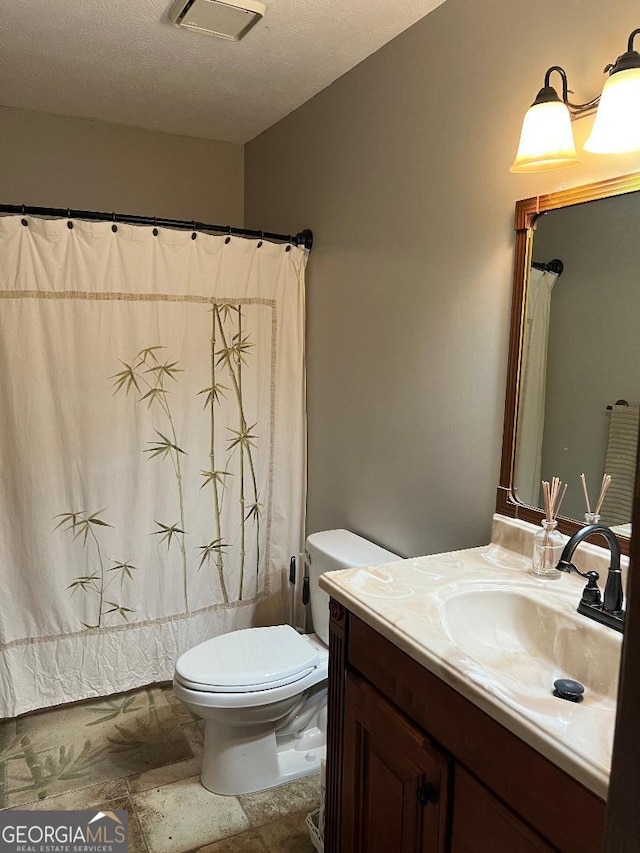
column 249, row 660
column 215, row 699
column 205, row 697
column 243, row 688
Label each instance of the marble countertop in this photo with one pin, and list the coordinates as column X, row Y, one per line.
column 479, row 621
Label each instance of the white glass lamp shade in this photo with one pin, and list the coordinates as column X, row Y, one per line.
column 616, row 129
column 546, row 141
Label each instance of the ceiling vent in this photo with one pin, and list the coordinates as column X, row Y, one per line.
column 227, row 20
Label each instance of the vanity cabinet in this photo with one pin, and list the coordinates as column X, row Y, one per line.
column 414, row 766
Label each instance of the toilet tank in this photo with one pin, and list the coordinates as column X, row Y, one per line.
column 336, row 549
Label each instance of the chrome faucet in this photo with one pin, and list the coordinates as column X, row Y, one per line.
column 610, row 611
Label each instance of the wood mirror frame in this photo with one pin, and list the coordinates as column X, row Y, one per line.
column 527, row 211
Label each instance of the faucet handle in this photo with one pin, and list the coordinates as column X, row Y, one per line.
column 566, row 566
column 591, row 592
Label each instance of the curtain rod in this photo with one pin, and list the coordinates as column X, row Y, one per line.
column 303, row 238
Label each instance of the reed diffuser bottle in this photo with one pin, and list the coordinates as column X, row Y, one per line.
column 548, row 542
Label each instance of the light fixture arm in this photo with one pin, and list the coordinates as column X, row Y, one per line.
column 548, row 93
column 631, row 38
column 578, row 110
column 563, row 75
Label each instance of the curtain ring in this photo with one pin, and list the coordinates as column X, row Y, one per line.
column 227, row 239
column 261, row 236
column 69, row 222
column 155, row 226
column 193, row 235
column 23, row 220
column 114, row 227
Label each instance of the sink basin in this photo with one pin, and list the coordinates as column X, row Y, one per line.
column 518, row 636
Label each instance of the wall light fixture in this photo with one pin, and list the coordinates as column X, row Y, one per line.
column 546, row 140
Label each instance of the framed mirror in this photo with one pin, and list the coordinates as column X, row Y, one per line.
column 573, row 380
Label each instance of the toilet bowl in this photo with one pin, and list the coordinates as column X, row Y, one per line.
column 262, row 692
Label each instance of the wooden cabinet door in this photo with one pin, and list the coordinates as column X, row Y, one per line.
column 483, row 824
column 395, row 785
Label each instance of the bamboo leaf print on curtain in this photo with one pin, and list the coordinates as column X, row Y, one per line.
column 146, row 375
column 81, row 525
column 213, row 477
column 152, row 442
column 233, row 356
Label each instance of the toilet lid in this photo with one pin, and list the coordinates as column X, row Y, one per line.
column 251, row 658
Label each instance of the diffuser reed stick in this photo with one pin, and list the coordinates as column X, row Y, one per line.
column 606, row 482
column 586, row 493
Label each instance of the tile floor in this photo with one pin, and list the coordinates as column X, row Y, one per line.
column 140, row 751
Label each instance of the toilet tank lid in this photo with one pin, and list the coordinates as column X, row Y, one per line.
column 348, row 549
column 249, row 657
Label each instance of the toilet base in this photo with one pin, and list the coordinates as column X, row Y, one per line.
column 233, row 763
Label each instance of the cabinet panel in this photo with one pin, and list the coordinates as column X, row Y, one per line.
column 482, row 824
column 395, row 786
column 382, row 799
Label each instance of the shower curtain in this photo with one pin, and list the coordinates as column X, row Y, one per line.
column 152, row 448
column 528, row 463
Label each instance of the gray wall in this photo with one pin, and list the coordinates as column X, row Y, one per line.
column 57, row 161
column 401, row 169
column 594, row 335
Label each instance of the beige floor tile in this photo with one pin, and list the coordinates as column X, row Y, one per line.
column 300, row 795
column 183, row 816
column 287, row 835
column 160, row 776
column 246, row 842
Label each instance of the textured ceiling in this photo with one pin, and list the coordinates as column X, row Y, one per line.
column 123, row 61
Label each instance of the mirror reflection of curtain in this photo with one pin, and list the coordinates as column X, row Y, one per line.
column 531, row 406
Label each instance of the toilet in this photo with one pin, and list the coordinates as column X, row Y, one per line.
column 262, row 692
